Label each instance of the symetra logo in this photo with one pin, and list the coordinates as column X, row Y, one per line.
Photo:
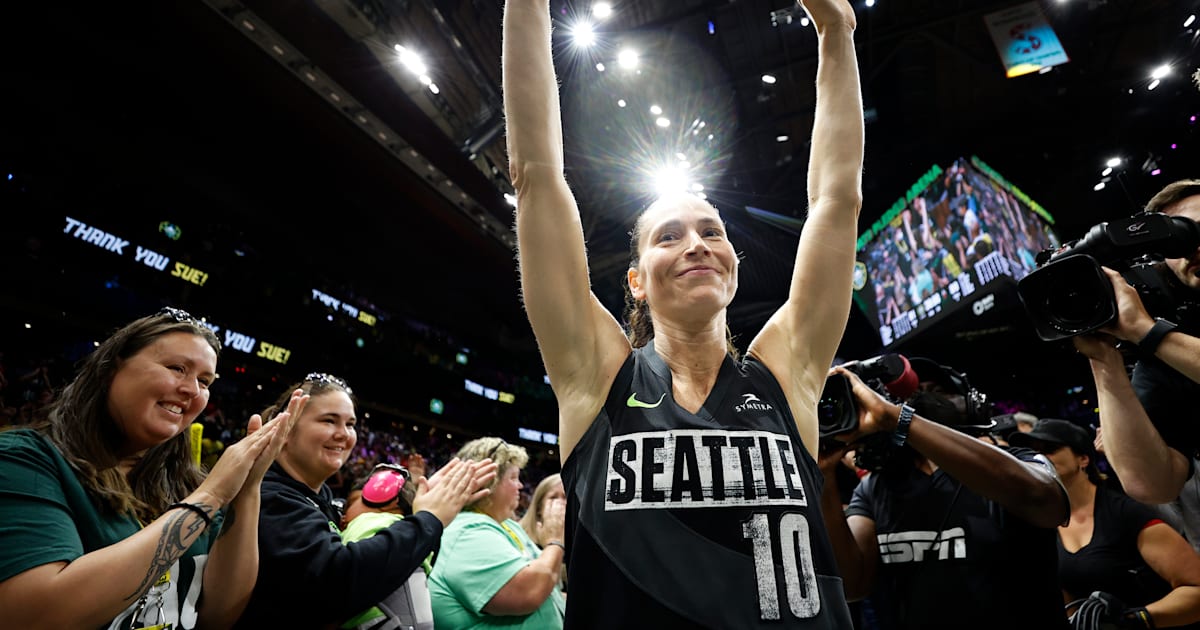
column 634, row 402
column 752, row 401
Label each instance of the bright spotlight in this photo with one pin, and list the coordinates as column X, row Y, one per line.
column 804, row 21
column 599, row 67
column 627, row 58
column 583, row 35
column 412, row 61
column 781, row 138
column 656, row 110
column 621, row 102
column 601, row 10
column 1106, row 172
column 769, row 79
column 1188, row 22
column 870, row 3
column 662, row 122
column 1099, row 186
column 1153, row 84
column 1113, row 162
column 670, row 181
column 1161, row 71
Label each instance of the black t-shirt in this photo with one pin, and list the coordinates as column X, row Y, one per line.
column 949, row 558
column 712, row 519
column 1111, row 562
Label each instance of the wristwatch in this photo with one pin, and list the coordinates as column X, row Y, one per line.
column 1154, row 337
column 900, row 435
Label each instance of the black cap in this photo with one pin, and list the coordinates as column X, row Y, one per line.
column 1054, row 431
column 929, row 370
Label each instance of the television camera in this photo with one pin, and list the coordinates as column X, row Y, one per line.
column 1069, row 294
column 953, row 403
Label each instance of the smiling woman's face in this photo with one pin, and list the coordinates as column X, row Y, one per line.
column 322, row 439
column 156, row 393
column 686, row 261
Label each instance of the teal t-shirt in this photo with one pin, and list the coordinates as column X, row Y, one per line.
column 46, row 516
column 477, row 558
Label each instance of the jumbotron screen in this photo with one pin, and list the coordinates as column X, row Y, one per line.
column 953, row 233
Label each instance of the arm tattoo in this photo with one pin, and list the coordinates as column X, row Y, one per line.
column 180, row 527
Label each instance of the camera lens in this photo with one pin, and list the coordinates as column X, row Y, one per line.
column 829, row 411
column 1073, row 306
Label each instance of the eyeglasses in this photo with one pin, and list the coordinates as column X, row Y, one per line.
column 328, row 379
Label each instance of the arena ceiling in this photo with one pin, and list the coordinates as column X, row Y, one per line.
column 292, row 133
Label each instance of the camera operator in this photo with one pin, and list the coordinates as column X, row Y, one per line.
column 1149, row 438
column 951, row 532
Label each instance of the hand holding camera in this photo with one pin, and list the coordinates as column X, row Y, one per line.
column 874, row 413
column 1070, row 293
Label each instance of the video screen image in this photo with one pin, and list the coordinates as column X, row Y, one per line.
column 953, row 233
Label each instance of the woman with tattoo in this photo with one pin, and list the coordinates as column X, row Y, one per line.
column 105, row 520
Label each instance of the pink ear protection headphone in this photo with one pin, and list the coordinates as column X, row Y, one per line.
column 384, row 485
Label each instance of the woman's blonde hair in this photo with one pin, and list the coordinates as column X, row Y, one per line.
column 497, row 450
column 534, row 514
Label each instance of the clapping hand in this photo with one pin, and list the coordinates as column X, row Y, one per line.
column 457, row 484
column 244, row 463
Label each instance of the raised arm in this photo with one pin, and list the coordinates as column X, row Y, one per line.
column 1030, row 490
column 1150, row 470
column 799, row 341
column 582, row 345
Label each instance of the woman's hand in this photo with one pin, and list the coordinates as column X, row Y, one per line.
column 287, row 419
column 247, row 460
column 553, row 523
column 455, row 485
column 826, row 13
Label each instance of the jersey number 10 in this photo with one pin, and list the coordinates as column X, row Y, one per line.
column 800, row 579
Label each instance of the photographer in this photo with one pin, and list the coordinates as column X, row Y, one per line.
column 947, row 531
column 1149, row 445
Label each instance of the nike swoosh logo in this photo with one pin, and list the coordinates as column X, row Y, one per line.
column 634, row 402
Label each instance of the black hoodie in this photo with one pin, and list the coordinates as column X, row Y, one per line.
column 306, row 577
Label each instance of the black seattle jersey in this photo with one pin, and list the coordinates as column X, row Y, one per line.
column 697, row 520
